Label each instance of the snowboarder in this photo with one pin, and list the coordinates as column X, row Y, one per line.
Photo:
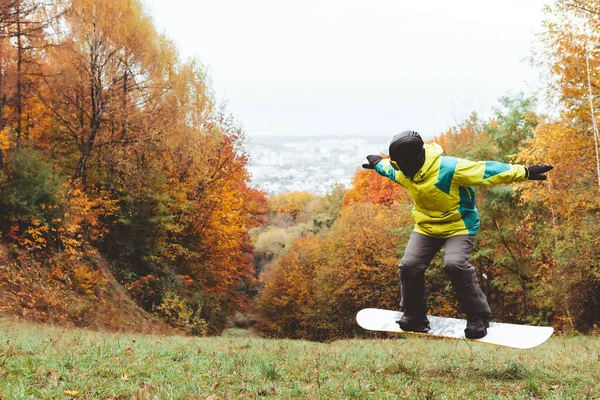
column 445, row 213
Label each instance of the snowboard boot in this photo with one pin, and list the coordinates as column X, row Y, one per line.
column 414, row 323
column 477, row 325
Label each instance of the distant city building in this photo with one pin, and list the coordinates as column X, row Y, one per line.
column 286, row 164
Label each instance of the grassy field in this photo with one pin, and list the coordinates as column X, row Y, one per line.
column 48, row 362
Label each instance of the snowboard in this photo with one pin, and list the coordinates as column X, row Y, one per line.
column 508, row 335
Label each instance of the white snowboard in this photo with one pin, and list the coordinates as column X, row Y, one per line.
column 509, row 335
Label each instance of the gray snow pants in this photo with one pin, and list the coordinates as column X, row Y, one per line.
column 419, row 252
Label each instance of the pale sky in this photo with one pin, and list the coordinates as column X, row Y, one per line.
column 356, row 67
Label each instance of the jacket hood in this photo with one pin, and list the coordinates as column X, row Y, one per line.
column 433, row 151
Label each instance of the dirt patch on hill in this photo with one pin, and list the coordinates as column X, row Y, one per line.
column 55, row 289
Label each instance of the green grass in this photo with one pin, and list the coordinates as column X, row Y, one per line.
column 48, row 362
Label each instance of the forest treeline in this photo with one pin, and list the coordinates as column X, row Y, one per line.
column 536, row 255
column 112, row 146
column 120, row 173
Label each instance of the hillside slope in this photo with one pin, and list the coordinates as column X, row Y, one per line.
column 57, row 290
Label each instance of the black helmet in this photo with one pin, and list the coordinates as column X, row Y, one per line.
column 407, row 153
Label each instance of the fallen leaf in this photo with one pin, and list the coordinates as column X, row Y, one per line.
column 71, row 392
column 124, row 377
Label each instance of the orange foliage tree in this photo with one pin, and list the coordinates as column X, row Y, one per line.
column 371, row 187
column 568, row 243
column 314, row 290
column 134, row 157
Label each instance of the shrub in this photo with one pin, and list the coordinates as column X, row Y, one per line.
column 29, row 197
column 178, row 313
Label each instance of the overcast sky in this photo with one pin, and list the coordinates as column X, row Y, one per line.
column 375, row 67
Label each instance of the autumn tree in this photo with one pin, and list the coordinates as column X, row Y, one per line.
column 106, row 82
column 370, row 187
column 288, row 288
column 288, row 209
column 362, row 267
column 571, row 57
column 314, row 289
column 569, row 140
column 327, row 210
column 25, row 33
column 135, row 160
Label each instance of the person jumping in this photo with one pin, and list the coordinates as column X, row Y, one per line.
column 445, row 213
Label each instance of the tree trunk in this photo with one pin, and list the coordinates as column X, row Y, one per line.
column 124, row 106
column 592, row 111
column 95, row 70
column 19, row 101
column 525, row 308
column 80, row 172
column 2, row 96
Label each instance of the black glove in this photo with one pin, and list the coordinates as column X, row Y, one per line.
column 373, row 161
column 536, row 172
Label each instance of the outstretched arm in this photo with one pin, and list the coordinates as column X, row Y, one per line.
column 488, row 173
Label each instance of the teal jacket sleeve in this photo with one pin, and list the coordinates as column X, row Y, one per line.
column 384, row 168
column 487, row 173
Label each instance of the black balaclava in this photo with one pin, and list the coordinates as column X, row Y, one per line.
column 406, row 149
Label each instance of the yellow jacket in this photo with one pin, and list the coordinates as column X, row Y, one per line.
column 442, row 190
